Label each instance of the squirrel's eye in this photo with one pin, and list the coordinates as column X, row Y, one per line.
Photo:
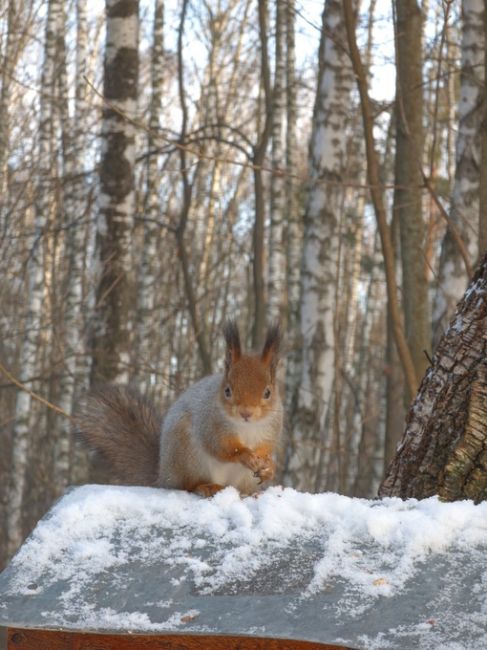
column 228, row 392
column 267, row 393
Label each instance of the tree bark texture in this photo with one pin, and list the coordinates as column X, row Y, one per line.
column 260, row 148
column 408, row 179
column 117, row 196
column 483, row 162
column 443, row 449
column 293, row 217
column 8, row 67
column 147, row 293
column 276, row 287
column 328, row 145
column 464, row 211
column 74, row 154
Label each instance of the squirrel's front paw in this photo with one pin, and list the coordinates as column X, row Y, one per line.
column 262, row 467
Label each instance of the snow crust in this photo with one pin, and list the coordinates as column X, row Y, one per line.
column 368, row 552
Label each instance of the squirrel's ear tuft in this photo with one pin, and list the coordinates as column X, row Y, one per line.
column 270, row 351
column 232, row 338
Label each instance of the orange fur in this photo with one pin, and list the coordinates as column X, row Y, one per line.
column 221, row 431
column 207, row 489
column 248, row 379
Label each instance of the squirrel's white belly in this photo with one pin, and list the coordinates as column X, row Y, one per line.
column 233, row 474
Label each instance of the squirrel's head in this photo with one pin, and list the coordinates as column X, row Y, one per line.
column 249, row 391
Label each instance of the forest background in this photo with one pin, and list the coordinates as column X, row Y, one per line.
column 166, row 165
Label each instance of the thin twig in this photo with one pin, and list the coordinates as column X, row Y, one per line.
column 451, row 225
column 35, row 396
column 198, row 153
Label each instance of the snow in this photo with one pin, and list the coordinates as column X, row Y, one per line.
column 374, row 574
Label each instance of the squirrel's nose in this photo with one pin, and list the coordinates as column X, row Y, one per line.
column 246, row 415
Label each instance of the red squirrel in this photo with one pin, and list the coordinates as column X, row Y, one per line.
column 221, row 431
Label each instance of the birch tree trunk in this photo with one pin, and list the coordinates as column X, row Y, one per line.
column 74, row 134
column 276, row 307
column 313, row 394
column 294, row 224
column 258, row 161
column 465, row 197
column 114, row 324
column 8, row 67
column 148, row 266
column 293, row 219
column 35, row 282
column 408, row 179
column 443, row 449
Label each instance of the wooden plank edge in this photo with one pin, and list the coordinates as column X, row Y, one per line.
column 30, row 639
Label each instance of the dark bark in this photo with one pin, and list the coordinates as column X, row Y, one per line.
column 483, row 163
column 408, row 179
column 112, row 340
column 444, row 446
column 376, row 192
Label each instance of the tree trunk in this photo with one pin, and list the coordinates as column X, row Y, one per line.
column 313, row 394
column 198, row 323
column 35, row 277
column 146, row 346
column 483, row 162
column 74, row 153
column 293, row 225
column 276, row 287
column 8, row 67
column 260, row 148
column 408, row 180
column 443, row 449
column 376, row 191
column 293, row 217
column 113, row 334
column 464, row 211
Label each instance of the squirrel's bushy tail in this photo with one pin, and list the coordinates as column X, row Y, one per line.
column 124, row 428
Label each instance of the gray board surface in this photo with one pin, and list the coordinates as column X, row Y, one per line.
column 365, row 574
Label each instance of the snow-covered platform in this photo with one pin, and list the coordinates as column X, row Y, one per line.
column 365, row 574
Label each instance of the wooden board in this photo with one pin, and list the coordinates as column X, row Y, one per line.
column 21, row 639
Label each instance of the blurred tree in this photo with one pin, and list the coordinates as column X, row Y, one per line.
column 313, row 393
column 114, row 303
column 145, row 349
column 33, row 319
column 276, row 286
column 408, row 179
column 464, row 211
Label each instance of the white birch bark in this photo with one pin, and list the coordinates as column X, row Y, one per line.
column 114, row 322
column 292, row 216
column 320, row 250
column 84, row 233
column 74, row 131
column 276, row 293
column 148, row 268
column 8, row 65
column 35, row 278
column 465, row 196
